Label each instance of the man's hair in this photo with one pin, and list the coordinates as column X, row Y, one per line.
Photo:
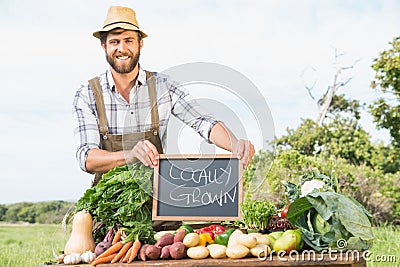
column 103, row 36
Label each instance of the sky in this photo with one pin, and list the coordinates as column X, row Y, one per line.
column 48, row 51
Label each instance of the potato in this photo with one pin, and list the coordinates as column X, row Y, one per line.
column 261, row 239
column 180, row 235
column 217, row 251
column 233, row 238
column 261, row 250
column 198, row 252
column 153, row 252
column 165, row 252
column 165, row 240
column 247, row 240
column 142, row 252
column 237, row 251
column 191, row 240
column 177, row 250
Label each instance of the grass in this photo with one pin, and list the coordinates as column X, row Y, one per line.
column 32, row 245
column 29, row 245
column 386, row 248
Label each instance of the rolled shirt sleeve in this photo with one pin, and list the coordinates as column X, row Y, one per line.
column 86, row 131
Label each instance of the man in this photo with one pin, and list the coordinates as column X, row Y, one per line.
column 121, row 116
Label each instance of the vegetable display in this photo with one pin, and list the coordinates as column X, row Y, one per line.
column 313, row 215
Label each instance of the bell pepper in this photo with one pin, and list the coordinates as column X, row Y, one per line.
column 205, row 239
column 217, row 229
column 188, row 228
column 205, row 231
column 223, row 238
column 212, row 230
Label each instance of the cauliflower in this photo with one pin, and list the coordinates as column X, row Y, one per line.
column 309, row 186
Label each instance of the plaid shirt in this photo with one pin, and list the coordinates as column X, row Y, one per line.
column 135, row 116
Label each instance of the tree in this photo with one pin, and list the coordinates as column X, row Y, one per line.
column 386, row 110
column 341, row 138
column 3, row 210
column 326, row 101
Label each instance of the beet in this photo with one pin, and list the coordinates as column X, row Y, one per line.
column 101, row 247
column 105, row 244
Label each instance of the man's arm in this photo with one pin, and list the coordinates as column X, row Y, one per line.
column 221, row 136
column 99, row 160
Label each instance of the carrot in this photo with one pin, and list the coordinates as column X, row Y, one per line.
column 122, row 251
column 135, row 249
column 105, row 259
column 117, row 237
column 111, row 250
column 127, row 255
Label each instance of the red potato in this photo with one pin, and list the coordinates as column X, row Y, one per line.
column 180, row 235
column 165, row 252
column 165, row 240
column 177, row 250
column 142, row 252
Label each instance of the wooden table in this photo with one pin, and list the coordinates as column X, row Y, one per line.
column 333, row 260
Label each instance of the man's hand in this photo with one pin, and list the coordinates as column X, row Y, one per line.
column 244, row 150
column 144, row 151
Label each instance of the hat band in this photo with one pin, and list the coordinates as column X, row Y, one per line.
column 117, row 22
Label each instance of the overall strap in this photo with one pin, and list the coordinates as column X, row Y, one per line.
column 155, row 124
column 101, row 110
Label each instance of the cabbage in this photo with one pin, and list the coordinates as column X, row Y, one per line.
column 325, row 218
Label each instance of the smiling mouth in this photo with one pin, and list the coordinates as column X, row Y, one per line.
column 123, row 57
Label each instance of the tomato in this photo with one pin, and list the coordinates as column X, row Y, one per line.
column 284, row 211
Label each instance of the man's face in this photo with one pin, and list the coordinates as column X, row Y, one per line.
column 122, row 50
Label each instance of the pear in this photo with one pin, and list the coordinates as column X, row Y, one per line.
column 276, row 234
column 286, row 242
column 299, row 240
column 273, row 237
column 271, row 240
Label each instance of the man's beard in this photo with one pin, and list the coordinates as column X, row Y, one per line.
column 123, row 68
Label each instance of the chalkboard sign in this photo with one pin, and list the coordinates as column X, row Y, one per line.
column 197, row 188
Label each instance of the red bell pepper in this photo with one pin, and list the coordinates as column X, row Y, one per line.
column 211, row 230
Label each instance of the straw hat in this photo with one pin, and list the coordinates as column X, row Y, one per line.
column 120, row 17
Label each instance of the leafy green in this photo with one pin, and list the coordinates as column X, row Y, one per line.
column 121, row 198
column 324, row 218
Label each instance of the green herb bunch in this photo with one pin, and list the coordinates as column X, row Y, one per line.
column 257, row 214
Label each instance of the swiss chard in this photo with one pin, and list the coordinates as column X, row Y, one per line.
column 121, row 197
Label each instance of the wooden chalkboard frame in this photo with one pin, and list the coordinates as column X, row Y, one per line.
column 196, row 218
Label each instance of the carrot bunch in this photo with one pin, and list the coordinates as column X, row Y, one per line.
column 121, row 250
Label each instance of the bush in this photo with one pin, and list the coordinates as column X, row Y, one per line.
column 40, row 212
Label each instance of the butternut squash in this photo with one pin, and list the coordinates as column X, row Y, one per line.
column 81, row 239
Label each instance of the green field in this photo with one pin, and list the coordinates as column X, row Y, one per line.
column 29, row 245
column 32, row 245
